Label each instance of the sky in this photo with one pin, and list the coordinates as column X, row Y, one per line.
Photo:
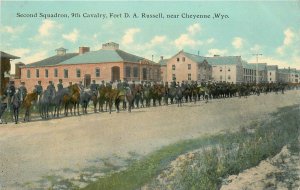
column 270, row 28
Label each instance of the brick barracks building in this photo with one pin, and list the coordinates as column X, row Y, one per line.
column 108, row 64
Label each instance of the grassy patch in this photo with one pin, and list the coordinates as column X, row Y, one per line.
column 230, row 154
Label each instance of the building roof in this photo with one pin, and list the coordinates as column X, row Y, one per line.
column 103, row 56
column 56, row 59
column 224, row 60
column 272, row 67
column 163, row 62
column 196, row 58
column 6, row 55
column 246, row 65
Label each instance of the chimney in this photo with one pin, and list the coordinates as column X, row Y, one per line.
column 18, row 70
column 83, row 50
column 161, row 57
column 61, row 51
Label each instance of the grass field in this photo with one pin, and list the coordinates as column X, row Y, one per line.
column 223, row 155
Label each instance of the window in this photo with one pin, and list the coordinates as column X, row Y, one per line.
column 78, row 73
column 135, row 72
column 66, row 73
column 189, row 76
column 229, row 69
column 173, row 67
column 221, row 78
column 127, row 71
column 220, row 69
column 46, row 73
column 173, row 77
column 28, row 74
column 270, row 73
column 183, row 59
column 97, row 72
column 55, row 72
column 229, row 77
column 178, row 59
column 270, row 79
column 189, row 66
column 145, row 73
column 37, row 73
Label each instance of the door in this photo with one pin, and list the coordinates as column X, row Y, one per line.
column 87, row 80
column 115, row 73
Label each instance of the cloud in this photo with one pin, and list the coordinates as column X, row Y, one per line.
column 72, row 36
column 237, row 42
column 13, row 30
column 288, row 42
column 129, row 35
column 20, row 52
column 212, row 52
column 185, row 40
column 193, row 29
column 288, row 36
column 256, row 48
column 210, row 40
column 157, row 40
column 46, row 27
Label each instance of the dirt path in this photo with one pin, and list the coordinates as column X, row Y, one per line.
column 32, row 151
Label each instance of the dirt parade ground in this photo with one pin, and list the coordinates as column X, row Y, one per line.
column 34, row 154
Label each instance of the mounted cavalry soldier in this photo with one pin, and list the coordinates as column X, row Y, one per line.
column 81, row 87
column 94, row 87
column 51, row 86
column 9, row 92
column 39, row 90
column 102, row 85
column 23, row 91
column 60, row 85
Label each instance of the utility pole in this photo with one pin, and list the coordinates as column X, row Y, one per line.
column 257, row 54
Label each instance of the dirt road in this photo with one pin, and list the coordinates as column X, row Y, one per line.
column 29, row 152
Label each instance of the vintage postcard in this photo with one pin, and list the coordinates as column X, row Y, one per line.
column 149, row 95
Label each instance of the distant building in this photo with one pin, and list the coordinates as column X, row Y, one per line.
column 163, row 69
column 289, row 75
column 227, row 68
column 272, row 73
column 184, row 66
column 108, row 64
column 5, row 70
column 250, row 71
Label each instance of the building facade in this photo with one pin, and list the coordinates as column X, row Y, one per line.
column 226, row 68
column 272, row 73
column 184, row 66
column 5, row 70
column 107, row 64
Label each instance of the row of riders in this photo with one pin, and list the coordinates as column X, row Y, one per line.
column 129, row 95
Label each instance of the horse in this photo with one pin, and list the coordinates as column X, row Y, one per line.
column 3, row 107
column 74, row 98
column 28, row 102
column 179, row 96
column 139, row 96
column 147, row 95
column 62, row 97
column 46, row 102
column 102, row 98
column 172, row 94
column 85, row 98
column 16, row 103
column 129, row 96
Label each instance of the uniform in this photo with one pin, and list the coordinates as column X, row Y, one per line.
column 60, row 86
column 23, row 92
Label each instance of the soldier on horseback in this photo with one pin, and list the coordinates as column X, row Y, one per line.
column 94, row 87
column 51, row 86
column 60, row 85
column 81, row 87
column 23, row 91
column 39, row 89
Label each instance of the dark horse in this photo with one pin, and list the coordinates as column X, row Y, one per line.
column 16, row 103
column 45, row 102
column 179, row 96
column 27, row 103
